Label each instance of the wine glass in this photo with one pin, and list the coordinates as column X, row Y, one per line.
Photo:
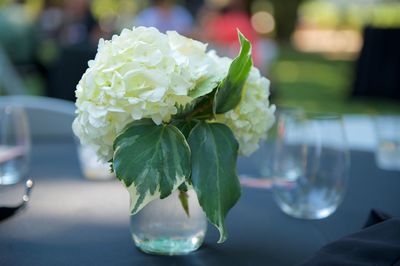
column 14, row 145
column 311, row 164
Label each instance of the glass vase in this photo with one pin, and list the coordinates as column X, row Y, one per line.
column 163, row 227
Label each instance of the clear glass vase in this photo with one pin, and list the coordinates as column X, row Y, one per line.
column 163, row 227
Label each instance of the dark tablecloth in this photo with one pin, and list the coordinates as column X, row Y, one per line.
column 74, row 221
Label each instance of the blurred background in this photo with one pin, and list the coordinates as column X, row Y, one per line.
column 321, row 55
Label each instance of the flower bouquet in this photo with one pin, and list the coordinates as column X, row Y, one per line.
column 170, row 116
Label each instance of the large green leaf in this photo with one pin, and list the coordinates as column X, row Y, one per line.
column 214, row 152
column 151, row 160
column 230, row 90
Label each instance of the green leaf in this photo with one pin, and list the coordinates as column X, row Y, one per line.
column 183, row 197
column 230, row 90
column 184, row 187
column 204, row 109
column 151, row 160
column 184, row 126
column 184, row 110
column 205, row 86
column 214, row 153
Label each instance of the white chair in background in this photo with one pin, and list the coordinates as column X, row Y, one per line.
column 48, row 117
column 51, row 118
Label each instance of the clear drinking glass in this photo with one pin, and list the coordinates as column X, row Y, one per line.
column 14, row 145
column 387, row 152
column 162, row 227
column 91, row 167
column 311, row 164
column 256, row 169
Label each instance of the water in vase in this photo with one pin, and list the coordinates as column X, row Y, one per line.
column 163, row 227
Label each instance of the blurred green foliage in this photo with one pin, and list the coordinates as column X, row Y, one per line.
column 351, row 14
column 315, row 83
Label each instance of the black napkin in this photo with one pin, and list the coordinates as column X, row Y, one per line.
column 375, row 217
column 377, row 244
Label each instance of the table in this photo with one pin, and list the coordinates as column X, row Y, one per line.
column 74, row 221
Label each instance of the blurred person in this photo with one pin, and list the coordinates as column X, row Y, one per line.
column 79, row 24
column 48, row 28
column 193, row 6
column 51, row 19
column 166, row 15
column 218, row 26
column 75, row 37
column 64, row 24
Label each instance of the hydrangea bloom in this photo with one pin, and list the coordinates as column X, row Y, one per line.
column 140, row 74
column 143, row 73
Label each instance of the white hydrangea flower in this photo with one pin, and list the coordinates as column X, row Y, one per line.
column 141, row 73
column 252, row 118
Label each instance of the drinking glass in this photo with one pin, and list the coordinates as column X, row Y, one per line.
column 256, row 170
column 311, row 164
column 387, row 154
column 14, row 145
column 91, row 167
